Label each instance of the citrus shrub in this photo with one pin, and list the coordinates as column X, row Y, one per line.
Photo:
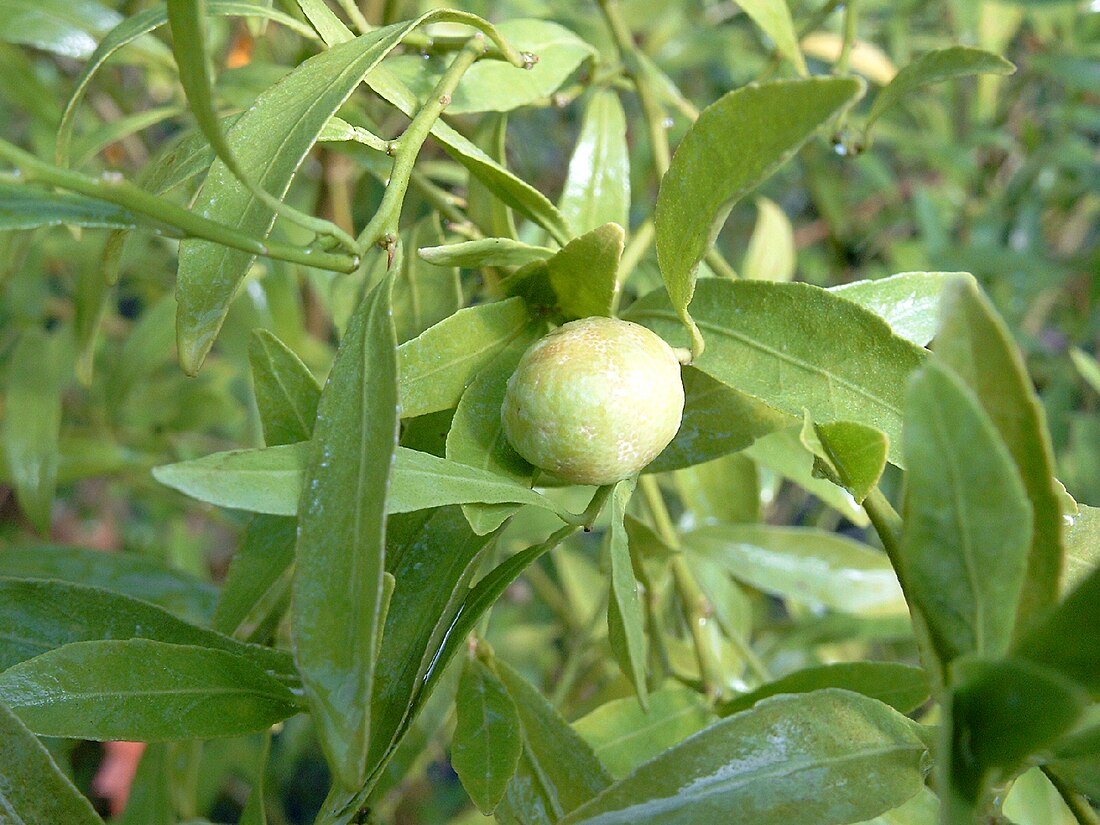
column 594, row 401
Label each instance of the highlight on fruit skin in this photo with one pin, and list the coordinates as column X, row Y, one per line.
column 594, row 401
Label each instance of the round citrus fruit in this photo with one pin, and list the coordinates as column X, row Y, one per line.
column 594, row 401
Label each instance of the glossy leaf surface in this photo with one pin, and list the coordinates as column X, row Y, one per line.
column 32, row 787
column 736, row 143
column 625, row 619
column 485, row 252
column 830, row 756
column 910, row 302
column 286, row 391
column 936, row 67
column 978, row 346
column 341, row 535
column 140, row 690
column 902, row 687
column 788, row 345
column 487, row 742
column 804, row 564
column 584, row 274
column 967, row 519
column 597, row 185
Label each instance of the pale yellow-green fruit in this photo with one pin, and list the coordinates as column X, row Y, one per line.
column 594, row 401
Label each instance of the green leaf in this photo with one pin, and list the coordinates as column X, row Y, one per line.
column 269, row 142
column 718, row 420
column 269, row 480
column 771, row 254
column 827, row 757
column 1067, row 639
column 557, row 772
column 127, row 573
column 37, row 375
column 623, row 734
column 978, row 346
column 1082, row 545
column 41, row 615
column 257, row 575
column 64, row 28
column 254, row 812
column 476, row 436
column 936, row 67
column 286, row 391
column 424, row 293
column 485, row 252
column 485, row 209
column 151, row 800
column 487, row 742
column 922, row 809
column 155, row 692
column 804, row 564
column 425, row 604
column 584, row 273
column 495, row 85
column 1088, row 366
column 999, row 713
column 625, row 620
column 26, row 207
column 724, row 490
column 341, row 536
column 910, row 302
column 736, row 143
column 324, row 20
column 513, row 191
column 597, row 185
column 790, row 346
column 850, row 455
column 436, row 366
column 784, row 453
column 967, row 519
column 32, row 787
column 141, row 23
column 902, row 687
column 774, row 19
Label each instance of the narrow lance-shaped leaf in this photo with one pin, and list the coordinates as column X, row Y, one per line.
column 154, row 692
column 341, row 536
column 432, row 556
column 771, row 254
column 27, row 207
column 438, row 364
column 935, row 67
column 597, row 185
column 790, row 346
column 774, row 18
column 286, row 391
column 40, row 615
column 32, row 421
column 487, row 742
column 32, row 787
column 967, row 519
column 257, row 575
column 978, row 346
column 485, row 252
column 558, row 772
column 269, row 480
column 477, row 436
column 424, row 293
column 141, row 577
column 269, row 142
column 736, row 143
column 828, row 757
column 625, row 620
column 902, row 687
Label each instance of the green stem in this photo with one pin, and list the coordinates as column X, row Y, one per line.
column 697, row 607
column 647, row 93
column 383, row 226
column 1082, row 811
column 851, row 24
column 167, row 214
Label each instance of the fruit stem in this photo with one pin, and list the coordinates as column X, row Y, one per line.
column 384, row 224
